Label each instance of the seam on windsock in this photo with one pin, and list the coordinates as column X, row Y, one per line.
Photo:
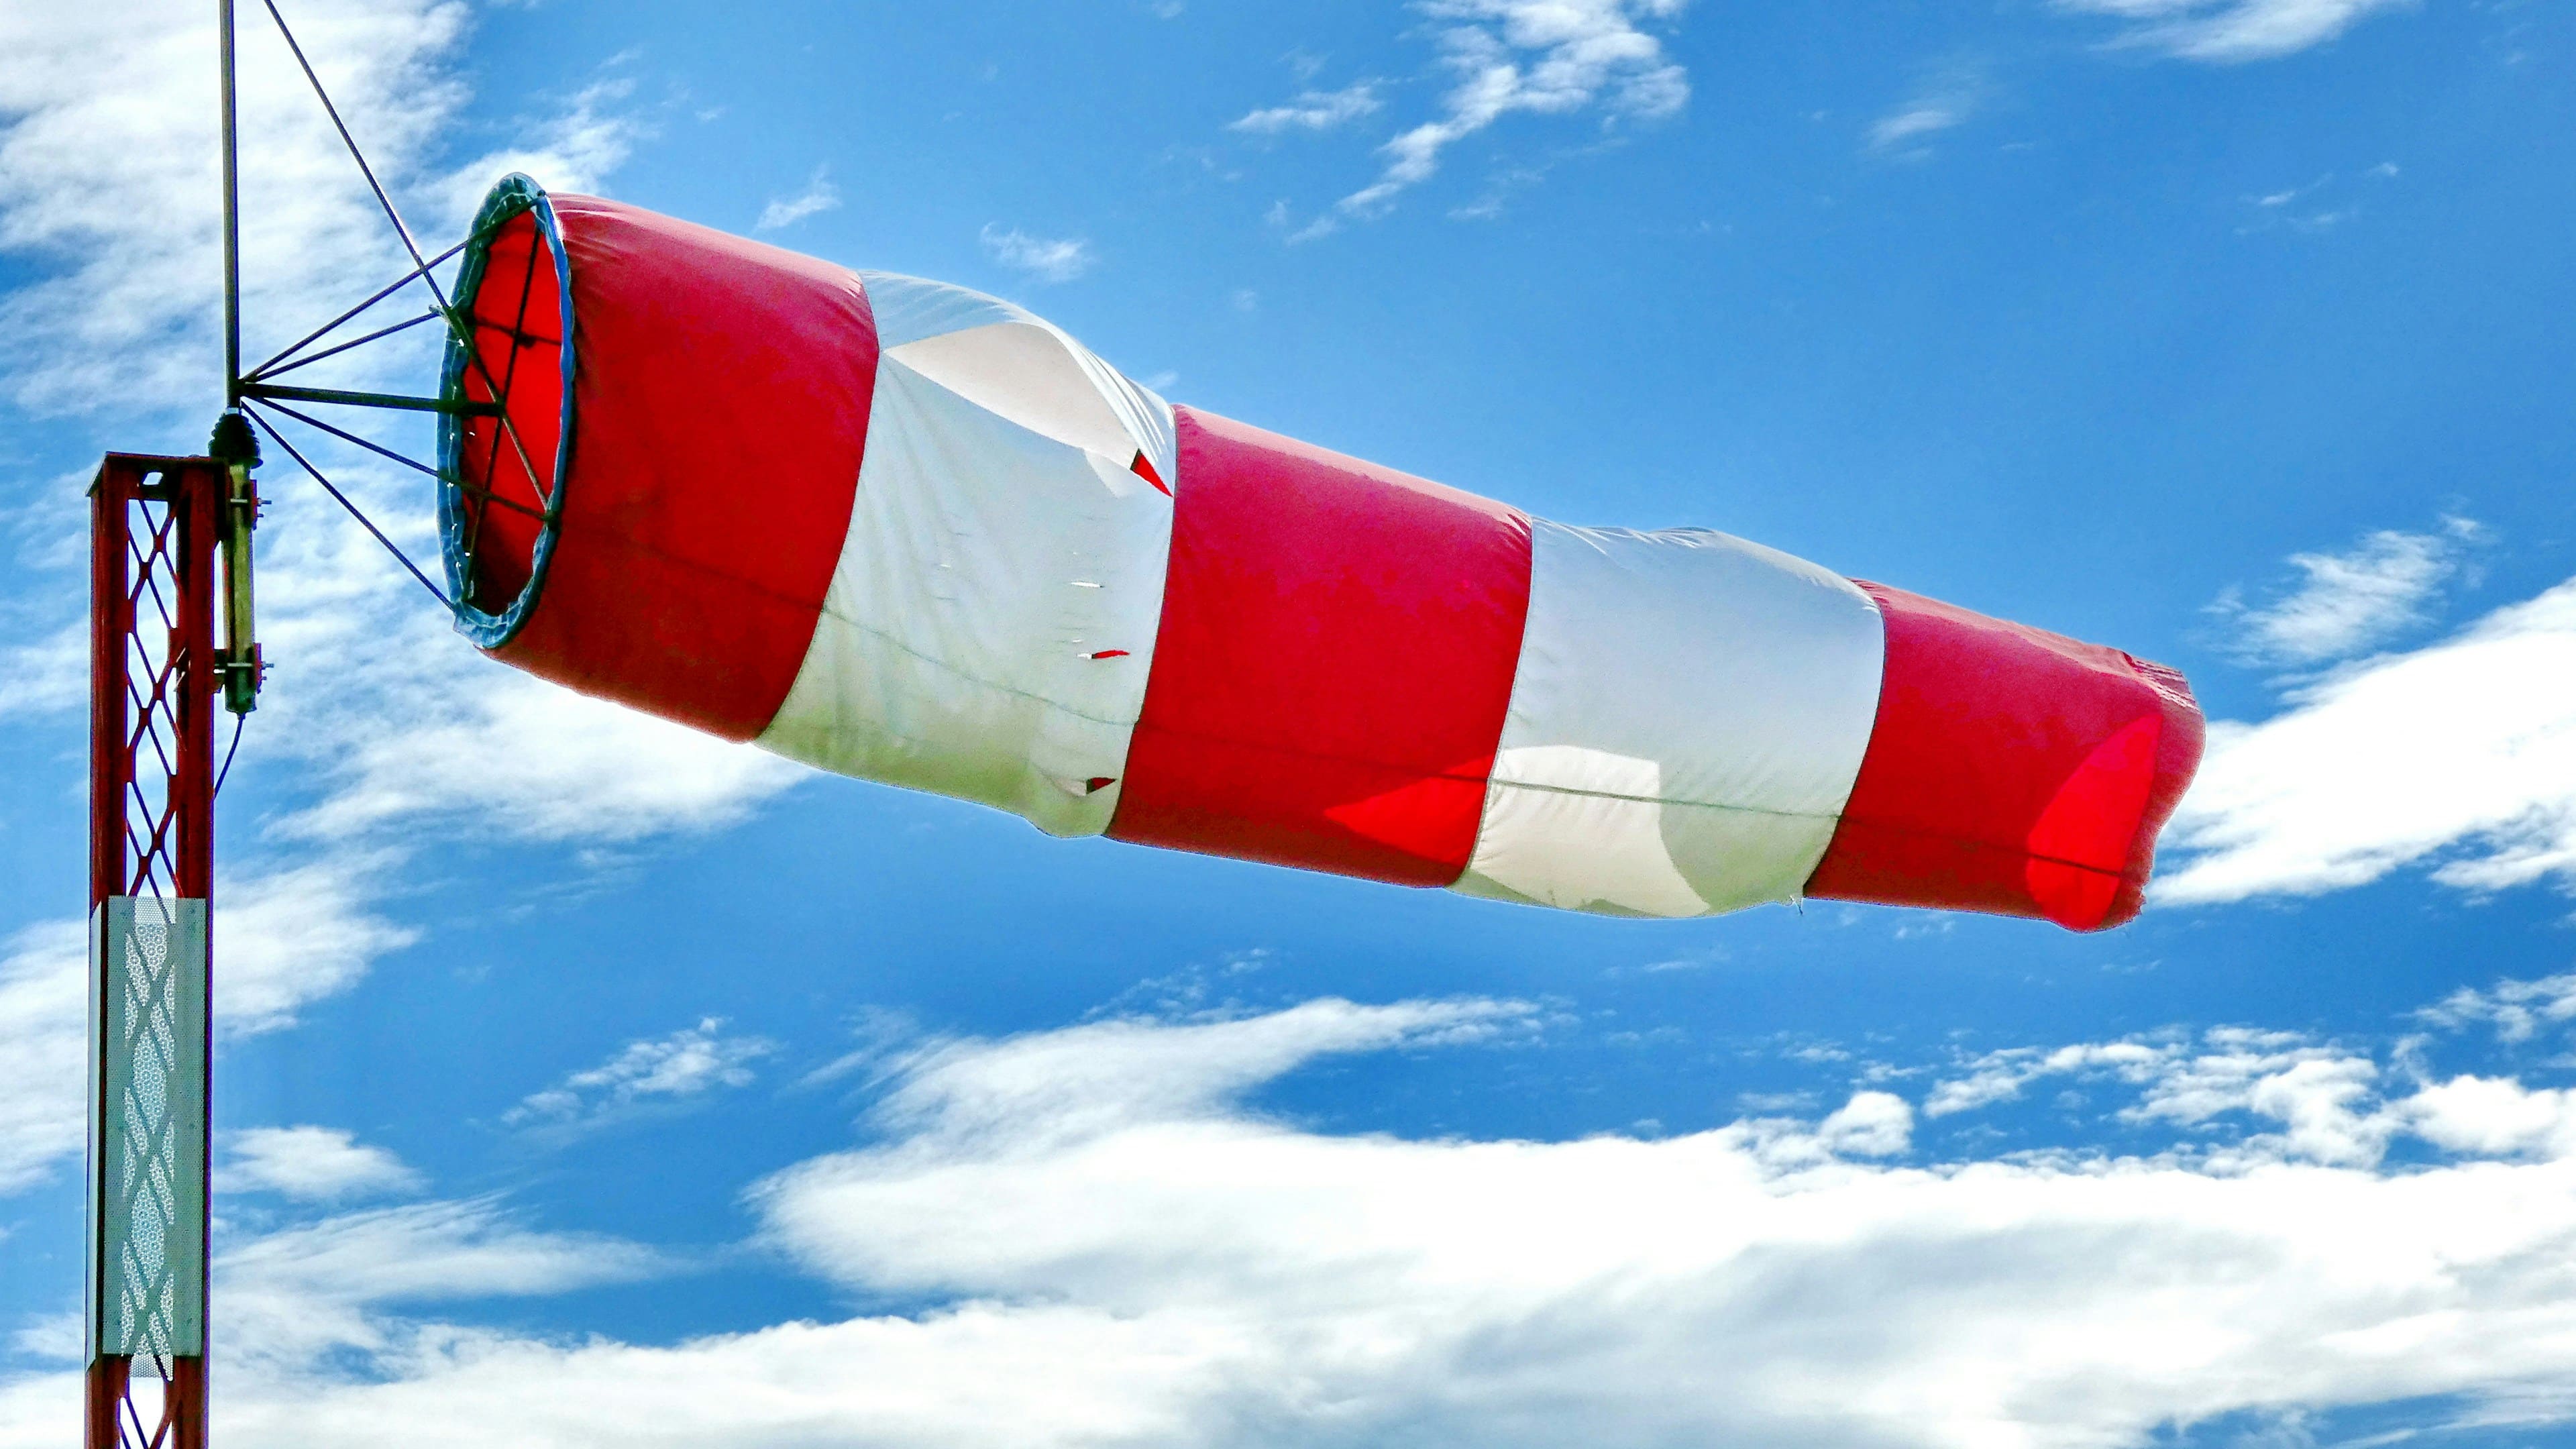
column 1500, row 783
column 2022, row 851
column 938, row 663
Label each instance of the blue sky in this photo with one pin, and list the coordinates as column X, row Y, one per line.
column 580, row 1076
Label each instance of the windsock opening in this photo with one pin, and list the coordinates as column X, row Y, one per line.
column 500, row 487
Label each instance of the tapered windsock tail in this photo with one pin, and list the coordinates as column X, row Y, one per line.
column 910, row 533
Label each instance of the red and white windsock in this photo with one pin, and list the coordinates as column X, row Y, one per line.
column 907, row 532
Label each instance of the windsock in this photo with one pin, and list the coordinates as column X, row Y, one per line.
column 907, row 532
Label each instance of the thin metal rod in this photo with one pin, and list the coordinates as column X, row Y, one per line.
column 345, row 398
column 398, row 283
column 348, row 437
column 230, row 750
column 346, row 139
column 232, row 210
column 455, row 325
column 355, row 512
column 403, row 326
column 509, row 379
column 512, row 504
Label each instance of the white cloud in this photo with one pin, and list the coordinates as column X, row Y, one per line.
column 1078, row 1079
column 44, row 980
column 50, row 676
column 1945, row 100
column 573, row 148
column 2347, row 602
column 294, row 1297
column 2000, row 1076
column 2462, row 752
column 447, row 738
column 2228, row 31
column 1048, row 259
column 107, row 170
column 2494, row 1117
column 1871, row 1124
column 299, row 935
column 292, row 938
column 2321, row 1097
column 1313, row 111
column 1129, row 1253
column 312, row 1164
column 1544, row 57
column 687, row 1063
column 2516, row 1009
column 1912, row 122
column 51, row 1336
column 819, row 196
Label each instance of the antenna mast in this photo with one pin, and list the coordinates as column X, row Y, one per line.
column 232, row 209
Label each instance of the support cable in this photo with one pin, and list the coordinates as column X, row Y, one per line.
column 318, row 333
column 355, row 511
column 456, row 325
column 403, row 326
column 346, row 436
column 229, row 751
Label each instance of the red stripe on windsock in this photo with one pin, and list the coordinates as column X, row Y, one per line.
column 1334, row 661
column 2010, row 770
column 720, row 405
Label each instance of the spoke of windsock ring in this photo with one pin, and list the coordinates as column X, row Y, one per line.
column 369, row 524
column 509, row 379
column 512, row 504
column 325, row 330
column 420, row 264
column 346, row 436
column 380, row 333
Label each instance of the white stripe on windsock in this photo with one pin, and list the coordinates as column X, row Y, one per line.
column 1021, row 366
column 1687, row 718
column 990, row 624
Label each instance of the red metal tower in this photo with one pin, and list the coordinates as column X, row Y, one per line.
column 154, row 678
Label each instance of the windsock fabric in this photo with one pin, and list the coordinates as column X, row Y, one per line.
column 902, row 531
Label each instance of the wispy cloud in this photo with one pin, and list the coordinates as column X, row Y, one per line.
column 2346, row 602
column 1048, row 259
column 1313, row 111
column 289, row 939
column 311, row 1164
column 1122, row 1249
column 2230, row 31
column 1542, row 57
column 2517, row 1010
column 2463, row 751
column 2321, row 1099
column 819, row 196
column 2321, row 205
column 297, row 1297
column 1912, row 122
column 1871, row 1124
column 48, row 676
column 687, row 1063
column 1946, row 99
